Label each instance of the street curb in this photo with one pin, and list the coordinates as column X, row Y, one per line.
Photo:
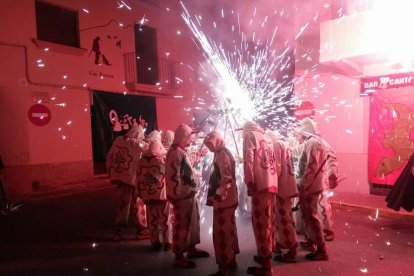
column 79, row 189
column 372, row 210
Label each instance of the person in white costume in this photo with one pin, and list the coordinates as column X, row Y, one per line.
column 222, row 195
column 287, row 190
column 181, row 191
column 260, row 177
column 121, row 163
column 311, row 183
column 151, row 188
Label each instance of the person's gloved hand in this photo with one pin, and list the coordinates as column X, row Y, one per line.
column 218, row 198
column 333, row 181
column 251, row 188
column 209, row 202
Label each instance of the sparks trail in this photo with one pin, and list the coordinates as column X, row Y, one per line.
column 247, row 85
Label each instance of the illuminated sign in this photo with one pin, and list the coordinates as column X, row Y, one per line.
column 371, row 84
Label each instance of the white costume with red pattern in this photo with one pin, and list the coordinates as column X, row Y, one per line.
column 121, row 163
column 287, row 189
column 222, row 195
column 181, row 189
column 311, row 181
column 151, row 188
column 260, row 176
column 324, row 204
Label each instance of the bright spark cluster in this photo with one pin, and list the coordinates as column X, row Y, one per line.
column 246, row 86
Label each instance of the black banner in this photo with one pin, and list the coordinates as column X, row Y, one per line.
column 113, row 114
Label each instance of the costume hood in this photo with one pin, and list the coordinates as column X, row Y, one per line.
column 167, row 138
column 250, row 126
column 216, row 140
column 136, row 132
column 183, row 135
column 307, row 127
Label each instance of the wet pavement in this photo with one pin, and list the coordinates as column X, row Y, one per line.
column 71, row 234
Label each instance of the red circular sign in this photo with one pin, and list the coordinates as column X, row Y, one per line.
column 305, row 109
column 39, row 114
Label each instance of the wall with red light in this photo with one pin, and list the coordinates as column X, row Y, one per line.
column 342, row 117
column 38, row 155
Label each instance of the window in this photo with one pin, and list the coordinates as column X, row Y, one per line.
column 147, row 55
column 57, row 25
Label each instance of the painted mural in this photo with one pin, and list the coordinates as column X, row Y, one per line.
column 391, row 139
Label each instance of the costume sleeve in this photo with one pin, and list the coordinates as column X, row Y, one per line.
column 279, row 157
column 111, row 151
column 290, row 168
column 174, row 175
column 331, row 162
column 249, row 148
column 109, row 158
column 309, row 163
column 138, row 178
column 226, row 173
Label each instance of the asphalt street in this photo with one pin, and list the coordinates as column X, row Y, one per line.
column 72, row 235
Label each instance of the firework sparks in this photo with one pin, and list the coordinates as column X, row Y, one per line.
column 246, row 83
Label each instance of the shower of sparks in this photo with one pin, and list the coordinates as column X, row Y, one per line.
column 246, row 88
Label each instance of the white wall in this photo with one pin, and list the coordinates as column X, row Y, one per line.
column 67, row 138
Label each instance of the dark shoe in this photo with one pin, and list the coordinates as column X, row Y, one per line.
column 317, row 256
column 197, row 253
column 144, row 235
column 308, row 246
column 233, row 265
column 289, row 257
column 260, row 271
column 117, row 237
column 167, row 246
column 184, row 263
column 220, row 272
column 141, row 228
column 257, row 259
column 156, row 246
column 278, row 251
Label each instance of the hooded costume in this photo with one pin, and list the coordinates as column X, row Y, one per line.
column 151, row 188
column 260, row 177
column 121, row 162
column 311, row 183
column 181, row 191
column 123, row 157
column 179, row 174
column 167, row 138
column 222, row 195
column 287, row 189
column 154, row 135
